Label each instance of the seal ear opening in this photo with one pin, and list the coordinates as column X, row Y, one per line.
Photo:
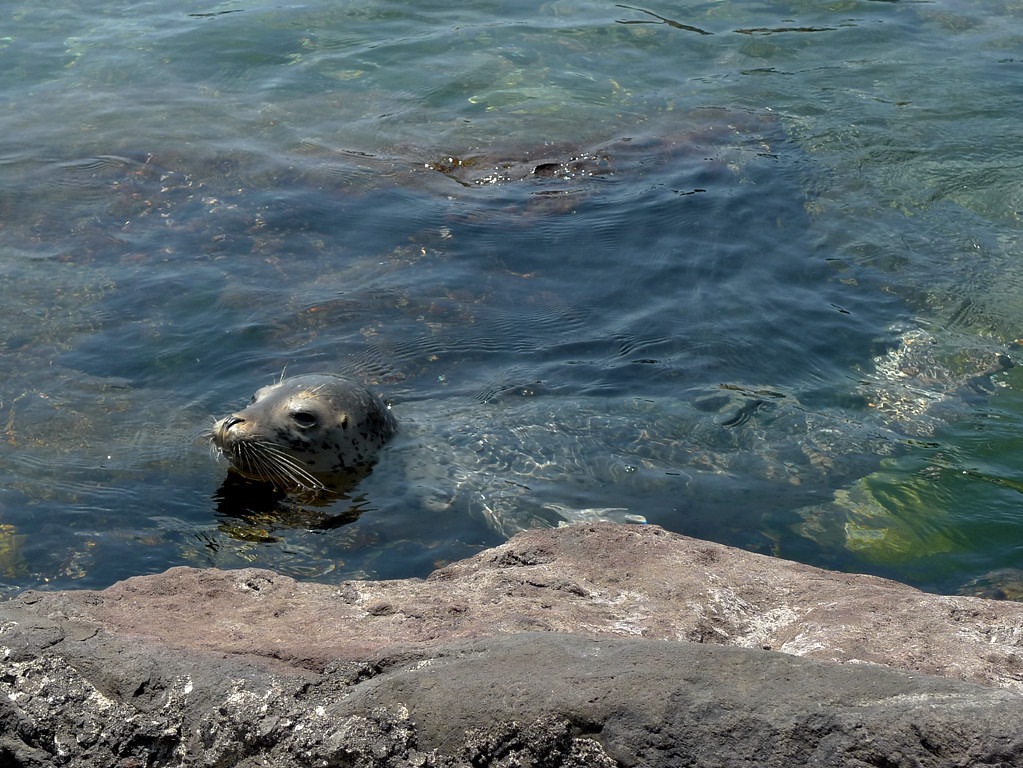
column 343, row 421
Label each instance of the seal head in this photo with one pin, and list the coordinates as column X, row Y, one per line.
column 303, row 432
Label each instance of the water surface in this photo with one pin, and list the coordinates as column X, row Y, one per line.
column 595, row 255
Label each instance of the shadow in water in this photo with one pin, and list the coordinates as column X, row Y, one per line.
column 251, row 510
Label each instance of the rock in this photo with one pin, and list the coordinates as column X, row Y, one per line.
column 603, row 580
column 596, row 645
column 542, row 699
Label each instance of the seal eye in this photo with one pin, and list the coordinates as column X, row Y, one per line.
column 304, row 419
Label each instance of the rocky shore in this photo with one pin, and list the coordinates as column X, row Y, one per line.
column 596, row 645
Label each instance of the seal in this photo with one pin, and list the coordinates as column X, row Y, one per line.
column 303, row 432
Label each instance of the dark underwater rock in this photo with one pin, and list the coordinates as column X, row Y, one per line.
column 593, row 645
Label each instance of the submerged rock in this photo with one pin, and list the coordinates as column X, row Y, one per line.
column 914, row 389
column 1000, row 584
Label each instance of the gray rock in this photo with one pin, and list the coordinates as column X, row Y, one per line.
column 597, row 645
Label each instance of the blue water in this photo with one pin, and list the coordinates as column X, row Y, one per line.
column 595, row 255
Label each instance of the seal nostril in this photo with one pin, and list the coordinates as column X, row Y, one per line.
column 230, row 421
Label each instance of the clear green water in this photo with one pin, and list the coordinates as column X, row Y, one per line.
column 767, row 198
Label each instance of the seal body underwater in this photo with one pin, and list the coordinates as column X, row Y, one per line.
column 303, row 432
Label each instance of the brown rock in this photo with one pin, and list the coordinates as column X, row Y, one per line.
column 599, row 580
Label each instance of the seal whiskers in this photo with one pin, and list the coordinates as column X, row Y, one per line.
column 267, row 460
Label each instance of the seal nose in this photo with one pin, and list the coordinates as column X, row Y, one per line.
column 222, row 430
column 229, row 422
column 222, row 436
